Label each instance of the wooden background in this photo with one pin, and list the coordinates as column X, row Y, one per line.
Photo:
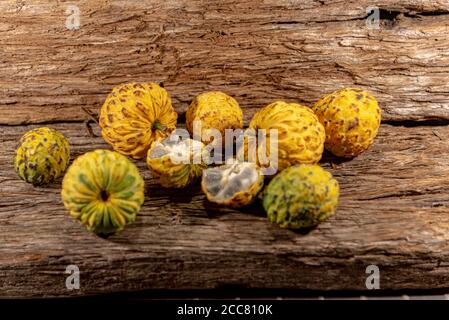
column 394, row 209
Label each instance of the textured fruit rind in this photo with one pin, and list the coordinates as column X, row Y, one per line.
column 43, row 156
column 351, row 118
column 174, row 174
column 215, row 110
column 103, row 190
column 136, row 114
column 300, row 135
column 247, row 197
column 301, row 196
column 241, row 198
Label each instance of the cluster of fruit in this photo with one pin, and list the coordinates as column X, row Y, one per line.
column 104, row 190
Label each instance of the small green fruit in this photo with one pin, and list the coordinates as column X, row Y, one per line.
column 301, row 196
column 103, row 190
column 43, row 156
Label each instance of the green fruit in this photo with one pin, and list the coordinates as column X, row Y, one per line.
column 301, row 196
column 43, row 156
column 103, row 190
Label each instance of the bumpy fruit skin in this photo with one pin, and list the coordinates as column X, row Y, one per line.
column 351, row 118
column 43, row 156
column 300, row 135
column 173, row 172
column 136, row 114
column 301, row 196
column 103, row 190
column 238, row 199
column 214, row 110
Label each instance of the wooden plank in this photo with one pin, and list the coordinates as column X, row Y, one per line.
column 257, row 51
column 394, row 213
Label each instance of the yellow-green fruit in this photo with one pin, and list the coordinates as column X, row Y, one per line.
column 136, row 114
column 351, row 118
column 177, row 163
column 234, row 184
column 213, row 110
column 300, row 136
column 43, row 156
column 103, row 190
column 301, row 196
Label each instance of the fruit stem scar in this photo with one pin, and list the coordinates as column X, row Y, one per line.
column 158, row 126
column 104, row 195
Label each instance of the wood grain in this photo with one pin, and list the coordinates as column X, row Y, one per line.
column 393, row 213
column 257, row 51
column 394, row 209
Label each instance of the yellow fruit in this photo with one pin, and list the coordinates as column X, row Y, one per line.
column 300, row 136
column 177, row 163
column 351, row 118
column 103, row 190
column 301, row 196
column 214, row 110
column 136, row 114
column 234, row 184
column 43, row 156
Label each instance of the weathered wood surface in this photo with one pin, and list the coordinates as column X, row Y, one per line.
column 394, row 209
column 393, row 213
column 257, row 51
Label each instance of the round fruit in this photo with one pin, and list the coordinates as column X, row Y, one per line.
column 301, row 196
column 136, row 114
column 300, row 136
column 43, row 156
column 351, row 118
column 103, row 190
column 213, row 110
column 234, row 184
column 176, row 163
